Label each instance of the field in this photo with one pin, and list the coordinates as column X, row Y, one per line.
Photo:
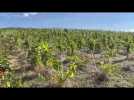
column 66, row 58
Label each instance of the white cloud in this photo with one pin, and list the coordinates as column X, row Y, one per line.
column 29, row 14
column 26, row 14
column 131, row 30
column 127, row 30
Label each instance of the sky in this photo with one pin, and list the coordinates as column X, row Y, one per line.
column 99, row 21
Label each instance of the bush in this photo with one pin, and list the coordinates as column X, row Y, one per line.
column 110, row 69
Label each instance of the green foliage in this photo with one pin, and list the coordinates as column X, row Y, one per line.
column 63, row 75
column 110, row 69
column 7, row 78
column 74, row 58
column 9, row 81
column 4, row 62
column 42, row 45
column 71, row 71
column 42, row 53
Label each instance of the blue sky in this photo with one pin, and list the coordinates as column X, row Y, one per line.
column 104, row 21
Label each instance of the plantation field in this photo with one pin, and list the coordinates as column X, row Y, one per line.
column 66, row 58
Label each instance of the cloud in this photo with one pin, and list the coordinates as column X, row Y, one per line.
column 130, row 30
column 126, row 30
column 29, row 14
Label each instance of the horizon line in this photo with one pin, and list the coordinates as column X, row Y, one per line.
column 120, row 30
